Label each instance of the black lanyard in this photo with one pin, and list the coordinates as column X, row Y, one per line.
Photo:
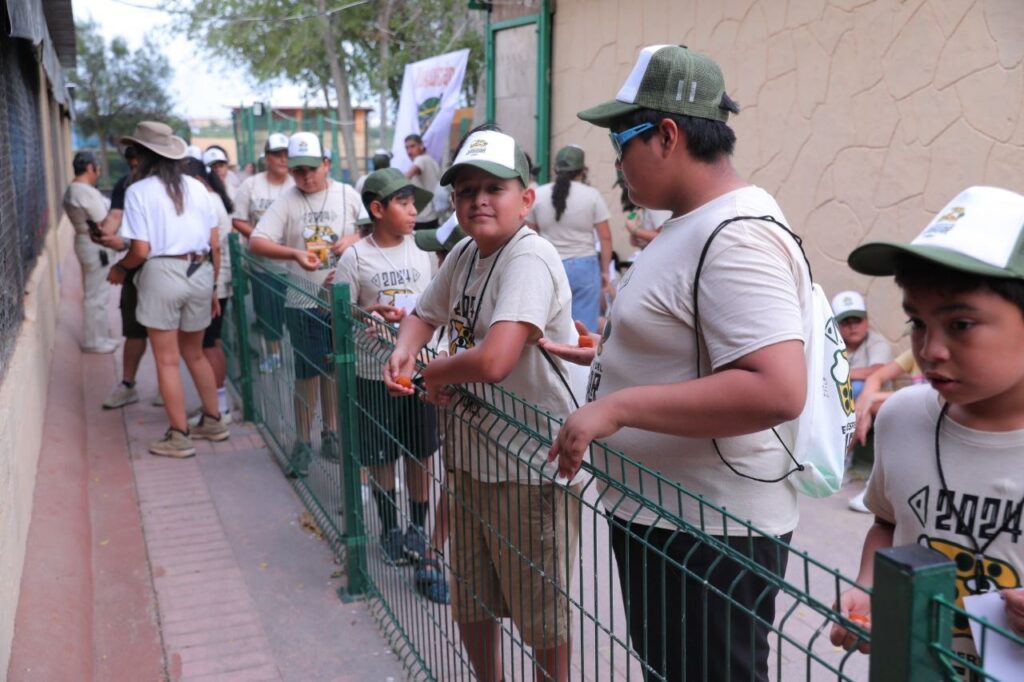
column 979, row 549
column 469, row 273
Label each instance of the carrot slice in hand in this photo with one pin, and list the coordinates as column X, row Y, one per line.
column 404, row 381
column 586, row 341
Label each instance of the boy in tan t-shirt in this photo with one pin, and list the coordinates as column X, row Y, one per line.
column 949, row 472
column 498, row 293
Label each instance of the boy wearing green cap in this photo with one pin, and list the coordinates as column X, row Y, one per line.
column 385, row 272
column 949, row 469
column 695, row 400
column 514, row 531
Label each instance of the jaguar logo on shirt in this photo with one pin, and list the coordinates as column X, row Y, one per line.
column 319, row 241
column 461, row 339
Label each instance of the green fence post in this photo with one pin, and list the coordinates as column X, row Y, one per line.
column 905, row 624
column 239, row 285
column 344, row 328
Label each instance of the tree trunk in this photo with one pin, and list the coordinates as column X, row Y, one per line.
column 384, row 26
column 339, row 78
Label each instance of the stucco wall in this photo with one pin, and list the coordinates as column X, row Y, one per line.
column 863, row 117
column 25, row 380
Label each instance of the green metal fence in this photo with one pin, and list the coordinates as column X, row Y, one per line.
column 366, row 472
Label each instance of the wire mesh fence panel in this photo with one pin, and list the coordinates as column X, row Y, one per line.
column 23, row 211
column 479, row 563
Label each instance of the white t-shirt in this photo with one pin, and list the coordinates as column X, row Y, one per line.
column 310, row 222
column 389, row 276
column 984, row 473
column 573, row 235
column 149, row 216
column 255, row 195
column 754, row 292
column 428, row 178
column 223, row 231
column 82, row 201
column 873, row 350
column 523, row 282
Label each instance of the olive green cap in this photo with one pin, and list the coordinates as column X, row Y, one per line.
column 668, row 78
column 492, row 152
column 569, row 158
column 383, row 183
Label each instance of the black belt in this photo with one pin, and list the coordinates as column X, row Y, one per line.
column 194, row 260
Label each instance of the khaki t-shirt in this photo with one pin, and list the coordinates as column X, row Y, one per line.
column 428, row 178
column 310, row 222
column 389, row 276
column 874, row 350
column 252, row 199
column 82, row 201
column 984, row 473
column 754, row 292
column 573, row 235
column 223, row 232
column 523, row 282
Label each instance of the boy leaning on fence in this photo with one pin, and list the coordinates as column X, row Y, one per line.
column 949, row 455
column 386, row 272
column 695, row 402
column 514, row 532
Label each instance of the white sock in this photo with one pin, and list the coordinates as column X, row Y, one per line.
column 222, row 400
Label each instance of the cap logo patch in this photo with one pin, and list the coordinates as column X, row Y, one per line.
column 477, row 147
column 302, row 146
column 693, row 91
column 944, row 223
column 679, row 90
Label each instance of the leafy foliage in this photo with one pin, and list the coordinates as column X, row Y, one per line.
column 118, row 87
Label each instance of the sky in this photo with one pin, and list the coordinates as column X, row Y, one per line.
column 202, row 87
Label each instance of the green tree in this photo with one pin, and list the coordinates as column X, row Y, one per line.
column 350, row 47
column 117, row 87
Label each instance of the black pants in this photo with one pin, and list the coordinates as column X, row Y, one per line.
column 678, row 625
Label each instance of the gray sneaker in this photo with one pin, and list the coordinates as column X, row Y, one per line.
column 298, row 460
column 121, row 395
column 210, row 428
column 391, row 547
column 173, row 444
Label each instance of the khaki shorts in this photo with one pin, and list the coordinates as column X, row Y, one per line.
column 513, row 549
column 168, row 299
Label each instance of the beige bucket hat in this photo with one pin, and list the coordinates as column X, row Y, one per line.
column 158, row 138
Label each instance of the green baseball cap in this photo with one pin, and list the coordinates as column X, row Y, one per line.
column 383, row 183
column 569, row 158
column 493, row 152
column 981, row 232
column 443, row 238
column 668, row 78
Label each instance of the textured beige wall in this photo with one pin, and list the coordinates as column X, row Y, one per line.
column 24, row 384
column 863, row 117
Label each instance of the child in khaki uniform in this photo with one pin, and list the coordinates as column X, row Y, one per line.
column 498, row 293
column 948, row 471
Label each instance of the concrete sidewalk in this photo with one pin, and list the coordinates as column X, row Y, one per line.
column 146, row 568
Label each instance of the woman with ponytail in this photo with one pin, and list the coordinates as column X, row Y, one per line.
column 566, row 213
column 172, row 225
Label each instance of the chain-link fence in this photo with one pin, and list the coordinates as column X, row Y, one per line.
column 23, row 199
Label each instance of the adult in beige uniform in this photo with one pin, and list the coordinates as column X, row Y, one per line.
column 252, row 200
column 425, row 174
column 83, row 202
column 171, row 223
column 309, row 226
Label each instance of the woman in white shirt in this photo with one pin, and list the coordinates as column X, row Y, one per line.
column 172, row 225
column 566, row 213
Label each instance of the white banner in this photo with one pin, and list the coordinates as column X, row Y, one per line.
column 430, row 95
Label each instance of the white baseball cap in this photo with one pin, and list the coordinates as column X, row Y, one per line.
column 194, row 152
column 304, row 150
column 275, row 143
column 981, row 231
column 214, row 155
column 848, row 304
column 491, row 151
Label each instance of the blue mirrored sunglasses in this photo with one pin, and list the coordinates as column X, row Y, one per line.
column 619, row 140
